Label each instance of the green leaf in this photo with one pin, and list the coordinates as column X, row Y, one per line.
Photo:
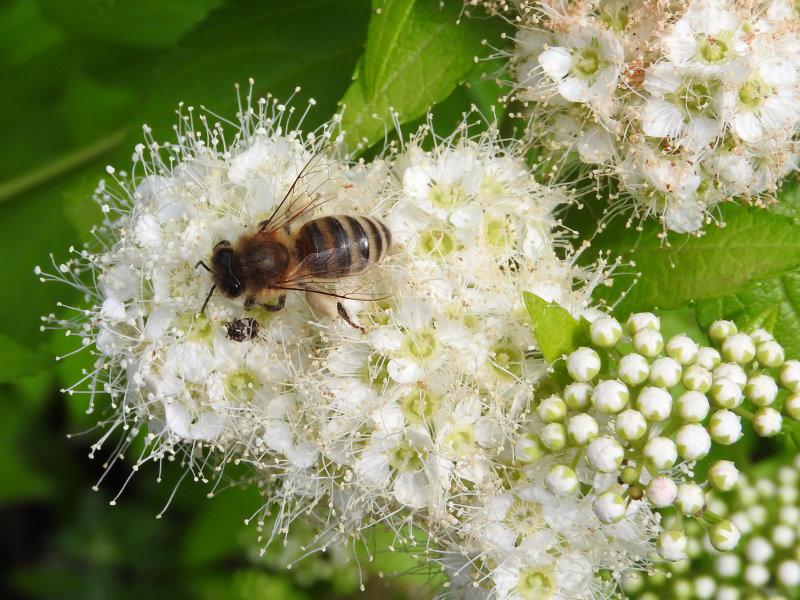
column 772, row 303
column 282, row 45
column 557, row 332
column 788, row 198
column 417, row 53
column 18, row 360
column 151, row 23
column 754, row 244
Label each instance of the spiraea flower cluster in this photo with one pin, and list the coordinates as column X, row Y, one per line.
column 643, row 410
column 411, row 418
column 424, row 411
column 684, row 104
column 765, row 565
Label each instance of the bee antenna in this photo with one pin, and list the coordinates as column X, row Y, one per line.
column 201, row 263
column 205, row 303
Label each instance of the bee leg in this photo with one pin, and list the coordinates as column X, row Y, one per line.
column 343, row 313
column 277, row 306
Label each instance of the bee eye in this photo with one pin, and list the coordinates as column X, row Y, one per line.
column 234, row 286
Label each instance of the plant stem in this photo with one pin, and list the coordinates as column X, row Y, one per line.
column 60, row 166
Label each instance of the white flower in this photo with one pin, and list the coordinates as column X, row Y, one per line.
column 708, row 39
column 684, row 107
column 585, row 66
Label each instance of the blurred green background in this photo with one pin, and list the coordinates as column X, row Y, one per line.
column 79, row 78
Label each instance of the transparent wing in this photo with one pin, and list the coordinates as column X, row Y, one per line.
column 304, row 195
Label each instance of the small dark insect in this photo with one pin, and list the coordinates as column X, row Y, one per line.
column 242, row 330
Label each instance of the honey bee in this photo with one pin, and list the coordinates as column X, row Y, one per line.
column 280, row 256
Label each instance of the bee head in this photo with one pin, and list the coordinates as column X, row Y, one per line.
column 226, row 271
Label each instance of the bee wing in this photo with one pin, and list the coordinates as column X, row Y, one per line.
column 318, row 273
column 303, row 196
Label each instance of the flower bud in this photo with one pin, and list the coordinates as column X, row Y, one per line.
column 726, row 393
column 761, row 335
column 728, row 565
column 661, row 452
column 723, row 475
column 690, row 499
column 552, row 409
column 554, row 436
column 609, row 507
column 697, row 378
column 792, row 406
column 725, row 427
column 756, row 575
column 610, row 396
column 561, row 480
column 692, row 407
column 708, row 358
column 731, row 371
column 582, row 428
column 630, row 425
column 583, row 364
column 662, row 492
column 704, row 587
column 759, row 550
column 790, row 375
column 724, row 536
column 605, row 332
column 648, row 342
column 693, row 441
column 767, row 422
column 530, row 448
column 577, row 395
column 720, row 330
column 761, row 390
column 683, row 349
column 672, row 545
column 605, row 454
column 665, row 372
column 739, row 348
column 638, row 321
column 783, row 536
column 633, row 369
column 770, row 354
column 789, row 573
column 655, row 403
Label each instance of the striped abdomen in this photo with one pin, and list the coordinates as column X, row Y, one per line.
column 342, row 245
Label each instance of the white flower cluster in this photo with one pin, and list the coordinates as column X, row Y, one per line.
column 685, row 104
column 424, row 422
column 643, row 410
column 766, row 565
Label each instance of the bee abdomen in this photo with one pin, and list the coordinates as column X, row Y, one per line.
column 344, row 245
